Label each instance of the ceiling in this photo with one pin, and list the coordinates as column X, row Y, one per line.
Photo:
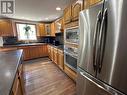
column 39, row 10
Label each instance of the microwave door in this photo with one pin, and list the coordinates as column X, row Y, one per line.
column 88, row 22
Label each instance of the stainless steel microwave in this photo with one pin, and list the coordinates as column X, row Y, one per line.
column 72, row 35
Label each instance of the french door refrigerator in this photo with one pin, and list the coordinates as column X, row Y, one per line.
column 102, row 60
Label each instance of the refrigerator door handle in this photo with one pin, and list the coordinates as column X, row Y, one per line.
column 92, row 81
column 95, row 40
column 100, row 84
column 102, row 40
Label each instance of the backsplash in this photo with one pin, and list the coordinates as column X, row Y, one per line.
column 10, row 40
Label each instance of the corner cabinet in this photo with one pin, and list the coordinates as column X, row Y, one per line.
column 76, row 8
column 6, row 27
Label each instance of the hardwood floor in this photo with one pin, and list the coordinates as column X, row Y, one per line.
column 42, row 77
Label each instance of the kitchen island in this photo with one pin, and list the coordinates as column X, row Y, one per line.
column 11, row 73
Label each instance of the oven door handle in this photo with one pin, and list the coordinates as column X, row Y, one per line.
column 74, row 56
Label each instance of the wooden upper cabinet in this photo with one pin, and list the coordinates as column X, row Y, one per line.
column 76, row 8
column 53, row 29
column 41, row 29
column 92, row 2
column 6, row 28
column 88, row 3
column 59, row 25
column 67, row 14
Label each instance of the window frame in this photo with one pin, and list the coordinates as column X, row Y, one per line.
column 28, row 24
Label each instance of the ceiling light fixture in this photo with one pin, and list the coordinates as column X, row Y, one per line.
column 47, row 18
column 58, row 8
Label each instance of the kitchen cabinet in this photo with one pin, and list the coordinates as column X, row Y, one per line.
column 61, row 59
column 59, row 24
column 53, row 29
column 52, row 55
column 88, row 3
column 6, row 28
column 68, row 14
column 26, row 52
column 92, row 2
column 34, row 52
column 41, row 29
column 55, row 54
column 72, row 74
column 43, row 51
column 49, row 51
column 76, row 8
column 18, row 85
column 21, row 78
column 31, row 52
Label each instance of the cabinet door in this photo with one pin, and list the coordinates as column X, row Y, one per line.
column 43, row 50
column 61, row 59
column 55, row 56
column 19, row 88
column 6, row 28
column 34, row 52
column 67, row 14
column 52, row 55
column 76, row 8
column 53, row 29
column 49, row 51
column 26, row 53
column 41, row 30
column 21, row 78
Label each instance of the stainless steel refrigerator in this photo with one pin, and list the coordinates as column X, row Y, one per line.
column 102, row 60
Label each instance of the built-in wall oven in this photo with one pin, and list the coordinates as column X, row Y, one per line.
column 70, row 57
column 71, row 40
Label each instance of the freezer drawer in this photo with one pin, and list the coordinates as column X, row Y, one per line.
column 88, row 85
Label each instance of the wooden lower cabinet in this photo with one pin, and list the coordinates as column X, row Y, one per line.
column 26, row 52
column 49, row 51
column 52, row 55
column 55, row 58
column 61, row 59
column 31, row 52
column 18, row 86
column 72, row 74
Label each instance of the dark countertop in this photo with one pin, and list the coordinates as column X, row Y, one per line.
column 9, row 62
column 18, row 45
column 61, row 47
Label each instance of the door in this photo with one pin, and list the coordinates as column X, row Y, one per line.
column 112, row 68
column 88, row 85
column 90, row 20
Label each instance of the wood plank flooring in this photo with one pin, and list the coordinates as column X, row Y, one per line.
column 42, row 77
